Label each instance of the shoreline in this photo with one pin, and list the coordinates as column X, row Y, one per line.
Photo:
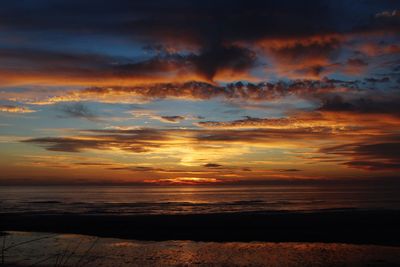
column 378, row 227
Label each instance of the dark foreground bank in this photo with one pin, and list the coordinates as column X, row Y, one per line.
column 45, row 249
column 344, row 226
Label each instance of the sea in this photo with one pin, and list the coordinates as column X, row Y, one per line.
column 199, row 199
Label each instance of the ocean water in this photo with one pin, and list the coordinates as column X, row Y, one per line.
column 124, row 200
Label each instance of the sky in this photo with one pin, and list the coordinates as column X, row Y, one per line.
column 199, row 92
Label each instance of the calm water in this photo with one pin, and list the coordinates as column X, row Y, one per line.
column 199, row 199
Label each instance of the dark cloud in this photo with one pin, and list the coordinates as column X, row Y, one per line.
column 373, row 166
column 385, row 21
column 66, row 144
column 380, row 150
column 157, row 170
column 378, row 80
column 92, row 164
column 205, row 63
column 288, row 170
column 356, row 62
column 172, row 118
column 261, row 135
column 384, row 105
column 212, row 165
column 353, row 66
column 137, row 169
column 336, row 103
column 79, row 110
column 368, row 156
column 136, row 141
column 302, row 52
column 198, row 21
column 232, row 58
column 205, row 21
column 84, row 65
column 47, row 58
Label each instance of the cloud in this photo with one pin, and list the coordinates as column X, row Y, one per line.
column 335, row 119
column 373, row 166
column 74, row 68
column 385, row 21
column 303, row 57
column 202, row 91
column 78, row 110
column 233, row 59
column 93, row 164
column 303, row 122
column 355, row 66
column 15, row 109
column 251, row 122
column 336, row 103
column 370, row 155
column 192, row 23
column 212, row 165
column 382, row 105
column 163, row 118
column 200, row 41
column 48, row 67
column 356, row 62
column 149, row 169
column 288, row 170
column 148, row 140
column 378, row 80
column 135, row 141
column 206, row 63
column 388, row 14
column 172, row 119
column 196, row 22
column 375, row 49
column 310, row 76
column 139, row 169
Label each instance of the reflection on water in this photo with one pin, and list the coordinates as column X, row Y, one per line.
column 77, row 250
column 199, row 199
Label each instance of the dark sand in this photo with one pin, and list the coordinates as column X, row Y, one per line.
column 334, row 226
column 44, row 249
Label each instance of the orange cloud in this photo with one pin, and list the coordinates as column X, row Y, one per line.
column 307, row 57
column 201, row 91
column 334, row 122
column 15, row 109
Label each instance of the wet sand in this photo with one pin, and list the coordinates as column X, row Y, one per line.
column 44, row 249
column 379, row 227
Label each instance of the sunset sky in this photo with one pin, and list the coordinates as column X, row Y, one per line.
column 198, row 91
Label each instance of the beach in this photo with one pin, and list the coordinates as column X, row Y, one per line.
column 46, row 249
